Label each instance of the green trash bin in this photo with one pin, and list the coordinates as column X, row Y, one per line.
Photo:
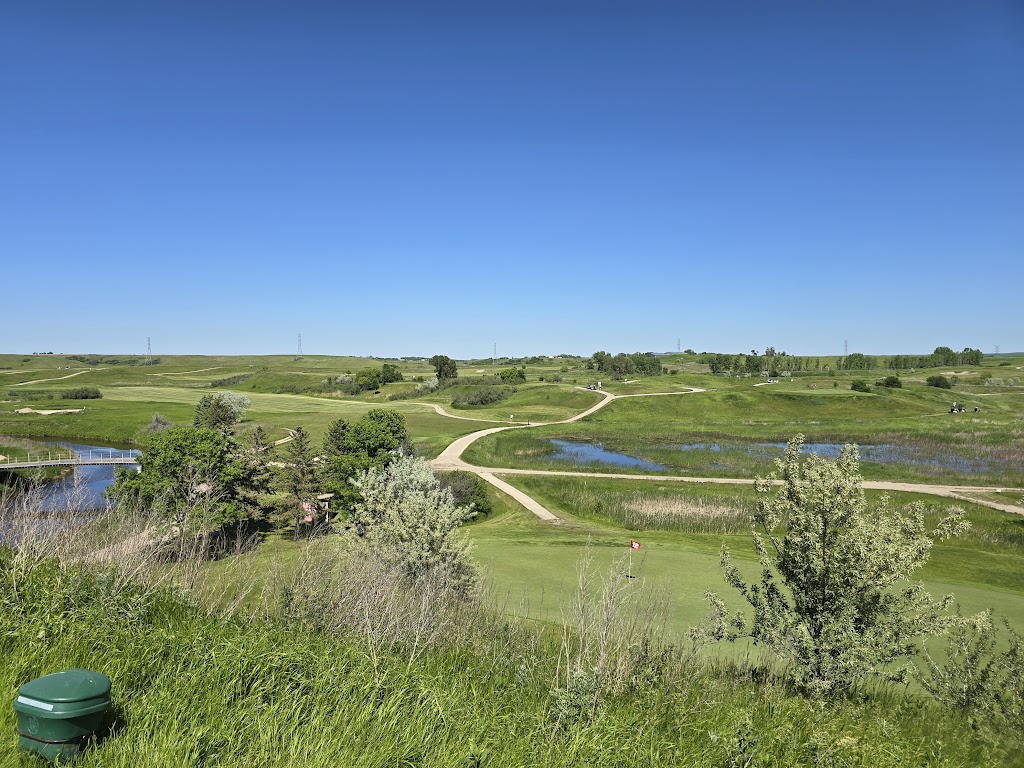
column 58, row 713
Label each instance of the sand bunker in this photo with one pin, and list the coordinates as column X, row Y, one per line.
column 50, row 413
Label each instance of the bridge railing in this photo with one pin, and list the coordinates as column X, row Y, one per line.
column 28, row 456
column 66, row 454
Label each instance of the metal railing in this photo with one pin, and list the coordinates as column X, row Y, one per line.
column 68, row 458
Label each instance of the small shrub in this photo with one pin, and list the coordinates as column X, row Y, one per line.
column 228, row 381
column 481, row 396
column 81, row 393
column 468, row 489
column 938, row 381
column 860, row 386
column 158, row 424
column 890, row 382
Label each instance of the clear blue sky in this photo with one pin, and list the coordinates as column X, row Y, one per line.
column 404, row 178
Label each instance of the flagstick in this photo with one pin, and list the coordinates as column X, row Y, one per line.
column 629, row 572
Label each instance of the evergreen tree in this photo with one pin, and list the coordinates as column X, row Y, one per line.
column 301, row 477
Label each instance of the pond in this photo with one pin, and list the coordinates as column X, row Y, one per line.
column 588, row 453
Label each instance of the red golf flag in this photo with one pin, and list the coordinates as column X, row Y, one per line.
column 634, row 544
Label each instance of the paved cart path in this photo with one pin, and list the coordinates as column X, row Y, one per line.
column 451, row 459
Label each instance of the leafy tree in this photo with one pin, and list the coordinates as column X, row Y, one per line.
column 368, row 379
column 407, row 515
column 857, row 362
column 220, row 410
column 835, row 597
column 646, row 364
column 860, row 386
column 512, row 375
column 389, row 373
column 375, row 440
column 938, row 381
column 971, row 356
column 719, row 363
column 445, row 367
column 189, row 478
column 891, row 382
column 381, row 431
column 944, row 356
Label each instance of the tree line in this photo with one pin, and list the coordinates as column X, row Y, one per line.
column 774, row 363
column 622, row 364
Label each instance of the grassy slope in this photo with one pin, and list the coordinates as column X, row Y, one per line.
column 123, row 413
column 194, row 689
column 532, row 402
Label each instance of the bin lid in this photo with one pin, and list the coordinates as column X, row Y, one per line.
column 67, row 686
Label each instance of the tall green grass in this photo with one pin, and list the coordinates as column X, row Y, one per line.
column 192, row 687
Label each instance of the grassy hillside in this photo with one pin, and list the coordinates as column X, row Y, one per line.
column 194, row 686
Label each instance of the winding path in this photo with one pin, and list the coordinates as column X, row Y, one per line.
column 59, row 378
column 451, row 459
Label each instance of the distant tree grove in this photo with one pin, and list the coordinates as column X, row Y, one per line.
column 621, row 365
column 773, row 363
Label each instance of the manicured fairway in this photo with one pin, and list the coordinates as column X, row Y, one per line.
column 534, row 563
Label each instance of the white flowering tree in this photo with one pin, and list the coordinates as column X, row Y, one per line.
column 835, row 600
column 405, row 514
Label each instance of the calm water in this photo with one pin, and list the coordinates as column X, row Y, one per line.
column 91, row 482
column 588, row 453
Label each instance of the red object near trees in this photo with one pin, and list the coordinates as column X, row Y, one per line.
column 634, row 544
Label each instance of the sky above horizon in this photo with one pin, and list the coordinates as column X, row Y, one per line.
column 408, row 178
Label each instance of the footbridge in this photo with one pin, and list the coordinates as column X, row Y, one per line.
column 64, row 458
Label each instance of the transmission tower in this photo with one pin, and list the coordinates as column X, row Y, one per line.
column 846, row 347
column 298, row 353
column 997, row 349
column 494, row 354
column 679, row 345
